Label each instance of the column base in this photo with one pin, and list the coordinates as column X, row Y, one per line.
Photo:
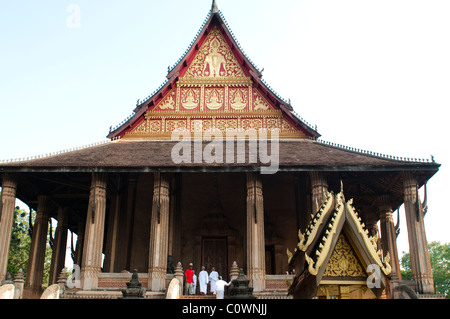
column 258, row 280
column 89, row 279
column 157, row 281
column 32, row 293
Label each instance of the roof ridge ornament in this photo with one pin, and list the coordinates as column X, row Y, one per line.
column 214, row 7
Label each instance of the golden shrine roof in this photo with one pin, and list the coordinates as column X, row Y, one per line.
column 316, row 245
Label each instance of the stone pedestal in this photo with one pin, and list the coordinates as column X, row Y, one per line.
column 134, row 288
column 234, row 272
column 18, row 284
column 179, row 274
column 240, row 288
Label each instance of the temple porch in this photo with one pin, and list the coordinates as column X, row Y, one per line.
column 152, row 221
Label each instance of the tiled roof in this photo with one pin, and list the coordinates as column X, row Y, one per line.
column 294, row 154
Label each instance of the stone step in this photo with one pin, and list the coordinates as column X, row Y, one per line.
column 198, row 297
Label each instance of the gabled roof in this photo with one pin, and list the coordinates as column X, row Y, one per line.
column 317, row 244
column 214, row 19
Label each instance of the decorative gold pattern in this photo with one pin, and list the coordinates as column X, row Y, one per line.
column 224, row 124
column 161, row 124
column 141, row 128
column 155, row 126
column 172, row 125
column 342, row 210
column 238, row 98
column 168, row 103
column 305, row 240
column 260, row 102
column 190, row 98
column 214, row 59
column 214, row 98
column 370, row 242
column 216, row 93
column 343, row 262
column 325, row 245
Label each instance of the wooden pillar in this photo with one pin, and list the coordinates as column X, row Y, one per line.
column 388, row 235
column 319, row 187
column 159, row 234
column 59, row 246
column 418, row 246
column 256, row 264
column 33, row 282
column 389, row 243
column 302, row 200
column 7, row 206
column 94, row 233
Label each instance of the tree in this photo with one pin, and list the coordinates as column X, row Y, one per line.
column 21, row 243
column 440, row 265
column 405, row 264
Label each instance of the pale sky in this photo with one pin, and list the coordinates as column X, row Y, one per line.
column 373, row 75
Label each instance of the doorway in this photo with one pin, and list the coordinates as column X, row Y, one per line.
column 214, row 254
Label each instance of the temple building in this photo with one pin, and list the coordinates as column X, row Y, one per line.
column 214, row 168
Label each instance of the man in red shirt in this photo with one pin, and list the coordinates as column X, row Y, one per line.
column 189, row 275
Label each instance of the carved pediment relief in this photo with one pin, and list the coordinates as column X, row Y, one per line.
column 215, row 91
column 215, row 59
column 343, row 261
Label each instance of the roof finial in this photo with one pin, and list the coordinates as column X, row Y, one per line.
column 214, row 7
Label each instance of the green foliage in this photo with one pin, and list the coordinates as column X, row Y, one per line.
column 21, row 243
column 405, row 264
column 440, row 264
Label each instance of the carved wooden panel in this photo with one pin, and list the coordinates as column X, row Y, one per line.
column 214, row 254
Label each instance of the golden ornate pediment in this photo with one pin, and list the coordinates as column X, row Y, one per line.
column 162, row 124
column 214, row 93
column 214, row 59
column 343, row 261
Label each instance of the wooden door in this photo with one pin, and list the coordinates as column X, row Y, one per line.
column 214, row 254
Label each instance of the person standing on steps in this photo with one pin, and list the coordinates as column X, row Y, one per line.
column 213, row 278
column 194, row 284
column 189, row 280
column 203, row 281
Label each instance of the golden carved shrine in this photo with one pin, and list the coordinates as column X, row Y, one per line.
column 307, row 230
